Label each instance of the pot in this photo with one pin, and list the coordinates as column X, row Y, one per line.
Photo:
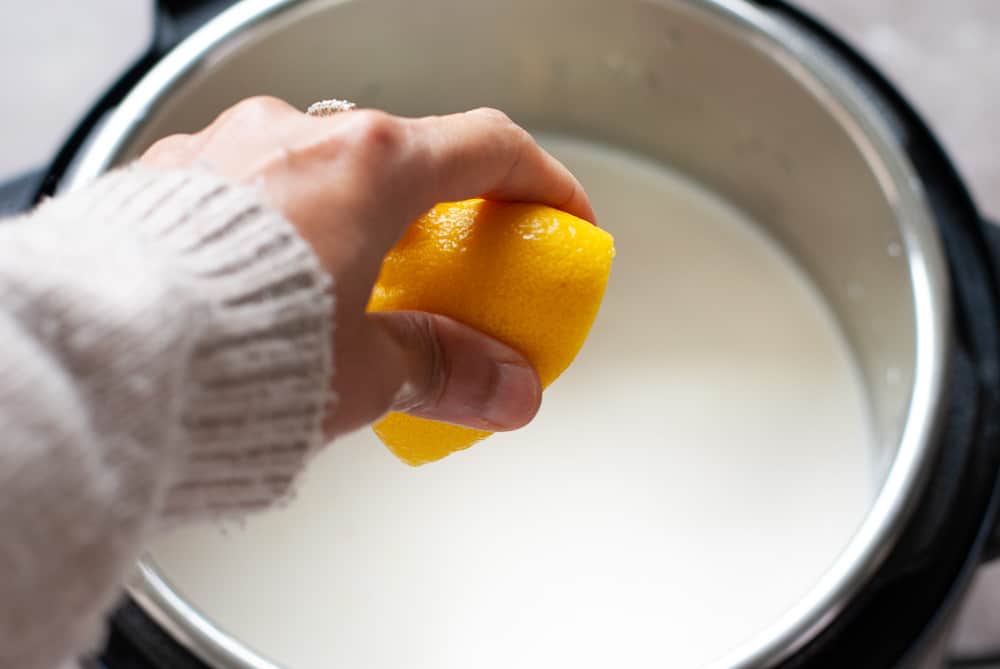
column 756, row 101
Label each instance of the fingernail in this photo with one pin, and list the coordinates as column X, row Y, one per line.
column 515, row 397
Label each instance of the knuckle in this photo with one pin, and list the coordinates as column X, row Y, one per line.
column 436, row 372
column 504, row 126
column 264, row 104
column 505, row 131
column 496, row 117
column 165, row 144
column 430, row 377
column 417, row 341
column 376, row 133
column 167, row 149
column 255, row 109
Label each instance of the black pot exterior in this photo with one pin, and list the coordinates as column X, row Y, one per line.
column 896, row 620
column 174, row 20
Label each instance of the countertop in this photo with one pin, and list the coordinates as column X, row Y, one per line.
column 945, row 56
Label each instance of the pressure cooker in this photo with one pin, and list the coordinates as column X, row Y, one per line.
column 753, row 98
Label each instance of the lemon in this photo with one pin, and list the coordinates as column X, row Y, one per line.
column 528, row 275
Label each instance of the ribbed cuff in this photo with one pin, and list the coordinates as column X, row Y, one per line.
column 258, row 387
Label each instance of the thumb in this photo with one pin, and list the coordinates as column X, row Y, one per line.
column 447, row 371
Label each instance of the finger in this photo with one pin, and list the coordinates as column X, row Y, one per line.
column 171, row 152
column 484, row 153
column 460, row 375
column 434, row 367
column 259, row 112
column 248, row 136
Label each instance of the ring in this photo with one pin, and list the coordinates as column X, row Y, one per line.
column 330, row 107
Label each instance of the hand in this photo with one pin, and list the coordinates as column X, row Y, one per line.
column 351, row 184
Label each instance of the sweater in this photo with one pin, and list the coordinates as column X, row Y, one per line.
column 167, row 357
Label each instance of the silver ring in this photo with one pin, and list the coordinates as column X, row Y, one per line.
column 330, row 107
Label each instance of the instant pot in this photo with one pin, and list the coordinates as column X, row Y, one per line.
column 753, row 99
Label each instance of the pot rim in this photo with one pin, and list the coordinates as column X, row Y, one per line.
column 856, row 109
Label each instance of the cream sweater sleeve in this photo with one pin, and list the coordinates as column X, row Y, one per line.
column 166, row 355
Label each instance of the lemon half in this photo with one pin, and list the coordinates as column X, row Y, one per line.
column 529, row 275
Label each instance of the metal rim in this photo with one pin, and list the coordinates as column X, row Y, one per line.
column 856, row 111
column 799, row 56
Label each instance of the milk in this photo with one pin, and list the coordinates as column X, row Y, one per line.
column 687, row 480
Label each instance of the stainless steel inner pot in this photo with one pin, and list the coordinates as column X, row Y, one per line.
column 737, row 99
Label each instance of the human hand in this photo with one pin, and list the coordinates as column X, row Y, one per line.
column 351, row 184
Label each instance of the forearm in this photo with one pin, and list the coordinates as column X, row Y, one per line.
column 166, row 357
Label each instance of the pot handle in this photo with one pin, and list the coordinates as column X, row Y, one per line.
column 173, row 21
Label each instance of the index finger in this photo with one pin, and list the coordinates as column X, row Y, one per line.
column 483, row 153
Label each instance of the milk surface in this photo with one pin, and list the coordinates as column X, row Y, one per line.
column 687, row 480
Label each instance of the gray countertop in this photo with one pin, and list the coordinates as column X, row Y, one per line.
column 944, row 55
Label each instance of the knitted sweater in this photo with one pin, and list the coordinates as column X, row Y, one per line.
column 166, row 357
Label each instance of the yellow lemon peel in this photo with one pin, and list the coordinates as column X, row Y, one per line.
column 529, row 275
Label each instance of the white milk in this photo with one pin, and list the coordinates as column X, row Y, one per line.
column 687, row 480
